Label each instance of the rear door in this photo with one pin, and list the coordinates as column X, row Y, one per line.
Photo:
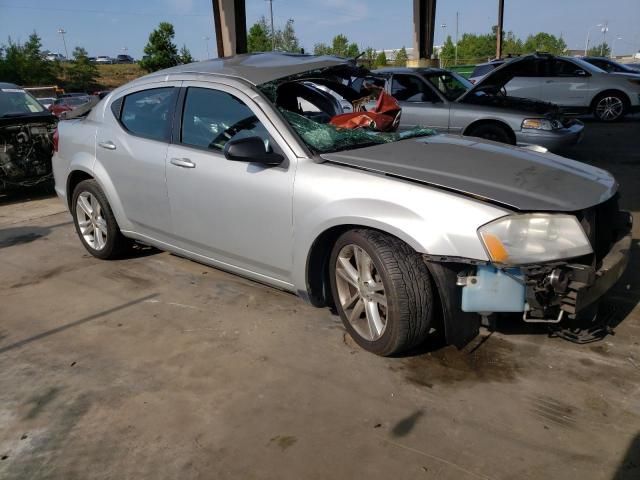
column 527, row 78
column 131, row 151
column 421, row 105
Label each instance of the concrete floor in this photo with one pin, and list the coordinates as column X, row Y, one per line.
column 157, row 367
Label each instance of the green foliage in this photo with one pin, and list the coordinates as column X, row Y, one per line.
column 340, row 47
column 401, row 58
column 260, row 38
column 24, row 64
column 368, row 58
column 185, row 55
column 473, row 48
column 601, row 50
column 82, row 74
column 381, row 59
column 160, row 51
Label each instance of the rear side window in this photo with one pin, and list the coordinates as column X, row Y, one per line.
column 562, row 68
column 409, row 88
column 481, row 70
column 148, row 113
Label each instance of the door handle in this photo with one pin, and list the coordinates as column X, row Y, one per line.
column 109, row 145
column 183, row 162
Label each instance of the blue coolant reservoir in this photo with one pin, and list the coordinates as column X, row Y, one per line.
column 493, row 290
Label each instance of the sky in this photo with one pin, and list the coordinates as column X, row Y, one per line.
column 123, row 26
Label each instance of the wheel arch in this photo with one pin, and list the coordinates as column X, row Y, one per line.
column 491, row 121
column 73, row 179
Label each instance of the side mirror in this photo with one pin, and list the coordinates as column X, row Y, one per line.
column 252, row 150
column 580, row 73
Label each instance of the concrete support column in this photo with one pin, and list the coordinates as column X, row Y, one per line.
column 230, row 24
column 424, row 22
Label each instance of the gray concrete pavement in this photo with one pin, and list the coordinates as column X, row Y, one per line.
column 157, row 367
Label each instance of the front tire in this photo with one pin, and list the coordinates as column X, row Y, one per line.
column 94, row 221
column 493, row 132
column 382, row 290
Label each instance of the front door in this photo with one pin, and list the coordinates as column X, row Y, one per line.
column 421, row 106
column 238, row 214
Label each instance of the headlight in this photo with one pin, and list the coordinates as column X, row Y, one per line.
column 534, row 238
column 541, row 124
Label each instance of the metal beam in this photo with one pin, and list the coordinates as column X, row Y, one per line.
column 424, row 22
column 230, row 24
column 500, row 29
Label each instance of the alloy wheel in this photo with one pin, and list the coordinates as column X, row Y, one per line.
column 93, row 226
column 361, row 292
column 609, row 108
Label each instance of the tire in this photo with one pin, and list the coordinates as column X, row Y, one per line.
column 491, row 131
column 610, row 107
column 108, row 242
column 395, row 273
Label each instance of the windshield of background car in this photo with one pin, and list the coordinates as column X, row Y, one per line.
column 14, row 101
column 450, row 84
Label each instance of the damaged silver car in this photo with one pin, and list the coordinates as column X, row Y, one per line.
column 26, row 139
column 243, row 164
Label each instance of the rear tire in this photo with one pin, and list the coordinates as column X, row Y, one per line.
column 491, row 131
column 95, row 223
column 610, row 107
column 382, row 290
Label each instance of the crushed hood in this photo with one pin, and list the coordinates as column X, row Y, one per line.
column 516, row 178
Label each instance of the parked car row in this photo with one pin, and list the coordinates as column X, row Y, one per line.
column 101, row 59
column 252, row 164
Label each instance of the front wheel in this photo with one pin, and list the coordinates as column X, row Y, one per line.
column 610, row 107
column 495, row 133
column 382, row 291
column 94, row 221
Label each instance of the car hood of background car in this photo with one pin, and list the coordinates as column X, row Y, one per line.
column 510, row 176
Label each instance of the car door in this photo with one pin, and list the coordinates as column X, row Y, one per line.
column 527, row 78
column 566, row 84
column 420, row 104
column 237, row 214
column 132, row 143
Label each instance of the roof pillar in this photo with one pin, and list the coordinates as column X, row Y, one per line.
column 424, row 20
column 230, row 25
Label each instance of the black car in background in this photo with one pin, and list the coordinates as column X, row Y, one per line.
column 26, row 136
column 610, row 66
column 124, row 59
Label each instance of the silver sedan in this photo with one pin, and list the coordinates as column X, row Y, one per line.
column 234, row 163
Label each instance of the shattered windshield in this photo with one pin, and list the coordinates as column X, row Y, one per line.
column 16, row 102
column 339, row 108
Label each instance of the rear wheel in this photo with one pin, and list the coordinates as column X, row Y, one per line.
column 493, row 132
column 94, row 221
column 610, row 107
column 382, row 291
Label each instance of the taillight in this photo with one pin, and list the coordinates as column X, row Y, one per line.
column 56, row 140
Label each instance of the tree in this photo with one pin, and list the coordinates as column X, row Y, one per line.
column 401, row 58
column 25, row 65
column 340, row 47
column 368, row 58
column 602, row 50
column 381, row 59
column 259, row 37
column 160, row 51
column 544, row 42
column 185, row 55
column 321, row 49
column 82, row 74
column 286, row 39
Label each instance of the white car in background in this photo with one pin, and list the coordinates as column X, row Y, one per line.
column 571, row 83
column 46, row 102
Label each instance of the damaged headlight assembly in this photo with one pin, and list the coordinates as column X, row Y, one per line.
column 541, row 124
column 534, row 238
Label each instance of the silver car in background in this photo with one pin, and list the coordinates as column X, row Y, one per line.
column 442, row 100
column 220, row 162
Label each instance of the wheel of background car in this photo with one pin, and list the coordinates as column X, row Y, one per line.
column 491, row 131
column 94, row 221
column 223, row 137
column 382, row 290
column 610, row 107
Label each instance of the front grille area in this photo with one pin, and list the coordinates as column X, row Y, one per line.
column 600, row 225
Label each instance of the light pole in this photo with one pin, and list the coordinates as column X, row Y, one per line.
column 206, row 39
column 62, row 31
column 613, row 47
column 457, row 19
column 586, row 45
column 605, row 29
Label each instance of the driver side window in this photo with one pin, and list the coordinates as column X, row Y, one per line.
column 212, row 117
column 409, row 88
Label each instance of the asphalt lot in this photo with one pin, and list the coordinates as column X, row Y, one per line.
column 157, row 367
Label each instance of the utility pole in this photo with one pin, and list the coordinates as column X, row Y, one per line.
column 605, row 29
column 273, row 32
column 62, row 31
column 457, row 18
column 500, row 28
column 206, row 39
